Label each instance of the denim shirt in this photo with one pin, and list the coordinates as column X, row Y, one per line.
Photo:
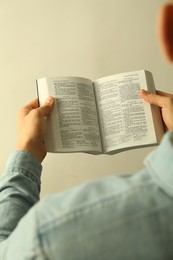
column 126, row 217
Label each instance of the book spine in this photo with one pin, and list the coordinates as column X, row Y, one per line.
column 37, row 93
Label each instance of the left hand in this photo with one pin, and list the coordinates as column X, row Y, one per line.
column 32, row 125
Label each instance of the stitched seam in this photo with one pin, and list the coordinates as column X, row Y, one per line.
column 85, row 209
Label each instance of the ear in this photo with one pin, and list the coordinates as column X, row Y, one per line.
column 165, row 30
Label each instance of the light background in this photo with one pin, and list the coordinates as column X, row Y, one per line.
column 87, row 38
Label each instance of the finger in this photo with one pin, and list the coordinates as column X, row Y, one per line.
column 27, row 108
column 164, row 93
column 32, row 105
column 46, row 109
column 154, row 99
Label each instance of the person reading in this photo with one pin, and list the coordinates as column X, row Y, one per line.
column 110, row 218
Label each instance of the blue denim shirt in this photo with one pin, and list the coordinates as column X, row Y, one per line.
column 114, row 217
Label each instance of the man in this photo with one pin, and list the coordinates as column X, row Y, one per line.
column 111, row 218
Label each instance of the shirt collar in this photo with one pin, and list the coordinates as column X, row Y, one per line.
column 160, row 164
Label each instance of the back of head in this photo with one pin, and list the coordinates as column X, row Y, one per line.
column 165, row 29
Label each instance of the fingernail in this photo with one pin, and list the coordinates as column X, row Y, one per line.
column 49, row 100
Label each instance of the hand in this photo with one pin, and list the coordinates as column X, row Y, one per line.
column 165, row 102
column 32, row 125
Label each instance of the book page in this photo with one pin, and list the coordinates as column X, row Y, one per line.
column 125, row 120
column 74, row 118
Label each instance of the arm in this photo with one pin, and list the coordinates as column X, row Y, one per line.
column 20, row 183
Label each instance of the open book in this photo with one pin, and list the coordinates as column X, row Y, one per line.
column 104, row 116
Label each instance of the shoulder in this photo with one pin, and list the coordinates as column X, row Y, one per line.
column 93, row 197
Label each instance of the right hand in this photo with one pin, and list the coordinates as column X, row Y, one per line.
column 165, row 102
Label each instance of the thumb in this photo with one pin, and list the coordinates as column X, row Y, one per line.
column 154, row 99
column 47, row 107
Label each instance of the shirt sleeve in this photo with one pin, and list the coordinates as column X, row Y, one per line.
column 19, row 190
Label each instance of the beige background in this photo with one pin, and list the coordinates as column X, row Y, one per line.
column 88, row 38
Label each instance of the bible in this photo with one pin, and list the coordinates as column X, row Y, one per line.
column 105, row 116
